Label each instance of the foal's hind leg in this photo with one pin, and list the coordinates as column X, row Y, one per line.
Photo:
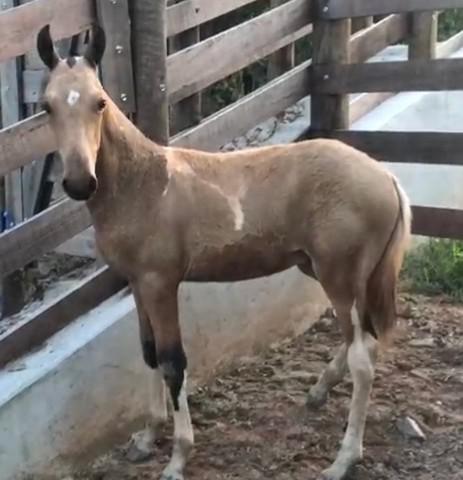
column 142, row 444
column 361, row 358
column 331, row 376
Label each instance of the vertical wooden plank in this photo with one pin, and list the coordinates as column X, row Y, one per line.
column 359, row 23
column 187, row 113
column 10, row 98
column 284, row 59
column 116, row 65
column 331, row 46
column 422, row 35
column 149, row 59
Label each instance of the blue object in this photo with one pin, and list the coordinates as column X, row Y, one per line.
column 7, row 221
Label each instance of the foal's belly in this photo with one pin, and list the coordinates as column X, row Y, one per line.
column 240, row 262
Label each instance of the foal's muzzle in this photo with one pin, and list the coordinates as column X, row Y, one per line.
column 80, row 189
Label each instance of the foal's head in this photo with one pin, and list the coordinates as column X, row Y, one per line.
column 75, row 100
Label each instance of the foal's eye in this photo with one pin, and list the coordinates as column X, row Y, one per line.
column 46, row 107
column 101, row 104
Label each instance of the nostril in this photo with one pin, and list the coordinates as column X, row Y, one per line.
column 92, row 184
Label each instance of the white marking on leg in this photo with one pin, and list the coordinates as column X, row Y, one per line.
column 158, row 400
column 144, row 440
column 360, row 357
column 73, row 97
column 183, row 437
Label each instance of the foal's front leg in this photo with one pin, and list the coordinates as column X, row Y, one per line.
column 159, row 297
column 142, row 445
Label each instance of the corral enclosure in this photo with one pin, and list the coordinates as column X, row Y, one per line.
column 169, row 89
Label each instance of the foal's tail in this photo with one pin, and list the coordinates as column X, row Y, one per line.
column 381, row 286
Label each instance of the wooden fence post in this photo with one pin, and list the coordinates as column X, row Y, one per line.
column 422, row 35
column 284, row 59
column 116, row 65
column 150, row 71
column 186, row 113
column 330, row 46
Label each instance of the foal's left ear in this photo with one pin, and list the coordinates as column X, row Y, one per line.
column 96, row 46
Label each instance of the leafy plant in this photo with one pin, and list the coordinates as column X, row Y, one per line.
column 450, row 23
column 436, row 267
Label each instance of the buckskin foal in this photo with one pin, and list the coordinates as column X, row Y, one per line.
column 165, row 215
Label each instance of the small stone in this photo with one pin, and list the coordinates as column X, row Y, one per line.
column 422, row 342
column 409, row 428
column 408, row 311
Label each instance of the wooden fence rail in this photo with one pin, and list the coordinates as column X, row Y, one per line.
column 439, row 148
column 336, row 9
column 221, row 55
column 20, row 25
column 191, row 13
column 418, row 75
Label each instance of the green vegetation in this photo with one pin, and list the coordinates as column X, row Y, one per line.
column 435, row 267
column 450, row 23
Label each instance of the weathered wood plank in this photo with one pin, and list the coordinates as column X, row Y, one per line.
column 407, row 147
column 438, row 222
column 116, row 64
column 87, row 294
column 241, row 116
column 418, row 75
column 186, row 113
column 368, row 42
column 20, row 25
column 190, row 13
column 423, row 35
column 223, row 54
column 284, row 59
column 365, row 103
column 149, row 60
column 330, row 47
column 40, row 234
column 335, row 9
column 11, row 112
column 24, row 141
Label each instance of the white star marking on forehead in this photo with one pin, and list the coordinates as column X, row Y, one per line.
column 73, row 98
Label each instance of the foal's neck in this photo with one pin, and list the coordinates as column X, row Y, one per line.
column 127, row 161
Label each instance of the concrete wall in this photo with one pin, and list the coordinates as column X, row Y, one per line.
column 89, row 383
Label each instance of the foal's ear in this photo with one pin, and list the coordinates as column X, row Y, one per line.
column 46, row 48
column 96, row 46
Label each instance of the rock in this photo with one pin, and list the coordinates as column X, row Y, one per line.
column 408, row 311
column 422, row 342
column 409, row 428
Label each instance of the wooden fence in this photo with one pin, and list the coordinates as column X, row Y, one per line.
column 147, row 78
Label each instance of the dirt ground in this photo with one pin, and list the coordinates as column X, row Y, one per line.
column 252, row 423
